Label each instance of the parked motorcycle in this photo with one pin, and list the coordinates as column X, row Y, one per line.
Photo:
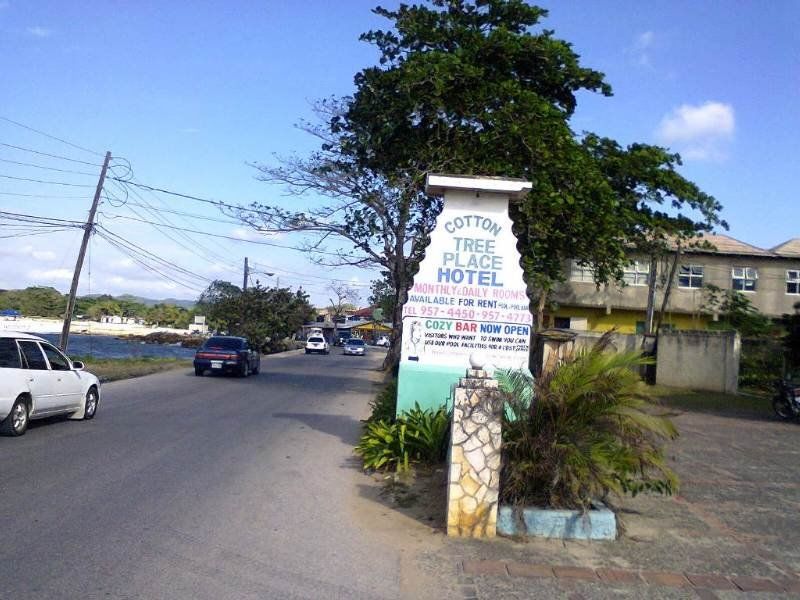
column 786, row 402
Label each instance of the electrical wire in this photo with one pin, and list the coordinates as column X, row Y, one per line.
column 82, row 185
column 136, row 248
column 142, row 261
column 35, row 166
column 58, row 156
column 204, row 253
column 43, row 196
column 217, row 203
column 235, row 239
column 47, row 135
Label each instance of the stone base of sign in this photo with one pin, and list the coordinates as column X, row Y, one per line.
column 474, row 470
column 600, row 523
column 430, row 386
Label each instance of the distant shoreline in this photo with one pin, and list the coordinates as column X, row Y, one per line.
column 43, row 325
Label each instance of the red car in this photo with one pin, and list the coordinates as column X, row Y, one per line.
column 227, row 354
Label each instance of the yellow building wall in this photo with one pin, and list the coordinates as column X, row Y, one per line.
column 625, row 321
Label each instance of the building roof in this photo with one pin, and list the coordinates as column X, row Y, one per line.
column 788, row 248
column 364, row 312
column 724, row 244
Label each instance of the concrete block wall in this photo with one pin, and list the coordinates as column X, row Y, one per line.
column 700, row 360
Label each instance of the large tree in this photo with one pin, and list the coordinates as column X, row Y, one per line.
column 479, row 88
column 263, row 315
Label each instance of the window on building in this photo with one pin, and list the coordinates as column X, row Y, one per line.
column 793, row 282
column 637, row 273
column 744, row 279
column 561, row 322
column 690, row 276
column 581, row 272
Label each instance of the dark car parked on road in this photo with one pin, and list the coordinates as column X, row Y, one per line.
column 227, row 354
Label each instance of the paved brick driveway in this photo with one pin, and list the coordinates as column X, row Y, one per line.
column 733, row 530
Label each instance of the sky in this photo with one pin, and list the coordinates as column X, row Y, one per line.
column 190, row 94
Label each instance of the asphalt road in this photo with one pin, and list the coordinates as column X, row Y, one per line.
column 213, row 487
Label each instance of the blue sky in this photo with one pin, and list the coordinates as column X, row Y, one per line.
column 190, row 92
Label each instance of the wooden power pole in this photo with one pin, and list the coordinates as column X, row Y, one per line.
column 87, row 232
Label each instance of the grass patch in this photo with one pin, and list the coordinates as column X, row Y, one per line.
column 114, row 369
column 747, row 402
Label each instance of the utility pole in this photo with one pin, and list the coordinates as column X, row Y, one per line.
column 87, row 232
column 651, row 295
column 246, row 275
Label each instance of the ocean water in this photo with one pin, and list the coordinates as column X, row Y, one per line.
column 106, row 346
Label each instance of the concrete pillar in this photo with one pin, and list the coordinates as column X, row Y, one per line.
column 474, row 470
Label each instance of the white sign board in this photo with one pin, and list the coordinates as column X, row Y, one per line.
column 469, row 296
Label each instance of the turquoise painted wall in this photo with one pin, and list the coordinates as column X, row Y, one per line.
column 428, row 385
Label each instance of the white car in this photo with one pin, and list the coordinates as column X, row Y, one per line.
column 37, row 380
column 383, row 341
column 317, row 343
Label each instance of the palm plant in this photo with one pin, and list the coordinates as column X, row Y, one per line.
column 581, row 432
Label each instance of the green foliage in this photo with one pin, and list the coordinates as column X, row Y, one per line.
column 417, row 436
column 479, row 88
column 761, row 363
column 37, row 301
column 428, row 434
column 382, row 295
column 791, row 340
column 384, row 406
column 383, row 446
column 48, row 302
column 582, row 432
column 265, row 316
column 736, row 312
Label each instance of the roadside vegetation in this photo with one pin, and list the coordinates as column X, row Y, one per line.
column 114, row 369
column 395, row 443
column 42, row 301
column 585, row 431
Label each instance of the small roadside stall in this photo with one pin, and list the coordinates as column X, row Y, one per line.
column 371, row 331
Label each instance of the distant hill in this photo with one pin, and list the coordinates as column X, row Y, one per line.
column 150, row 301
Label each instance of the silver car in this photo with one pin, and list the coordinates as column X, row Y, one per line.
column 355, row 347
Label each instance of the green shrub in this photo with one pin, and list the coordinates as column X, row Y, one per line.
column 582, row 432
column 383, row 446
column 384, row 406
column 417, row 436
column 428, row 434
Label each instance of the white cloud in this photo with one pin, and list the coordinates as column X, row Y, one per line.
column 245, row 233
column 39, row 31
column 640, row 49
column 43, row 276
column 43, row 255
column 699, row 132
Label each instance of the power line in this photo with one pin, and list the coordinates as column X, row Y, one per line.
column 52, row 137
column 207, row 254
column 150, row 261
column 39, row 218
column 217, row 203
column 30, row 233
column 42, row 196
column 235, row 239
column 35, row 166
column 148, row 267
column 82, row 185
column 189, row 215
column 58, row 156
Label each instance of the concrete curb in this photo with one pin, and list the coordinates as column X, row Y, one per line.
column 617, row 577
